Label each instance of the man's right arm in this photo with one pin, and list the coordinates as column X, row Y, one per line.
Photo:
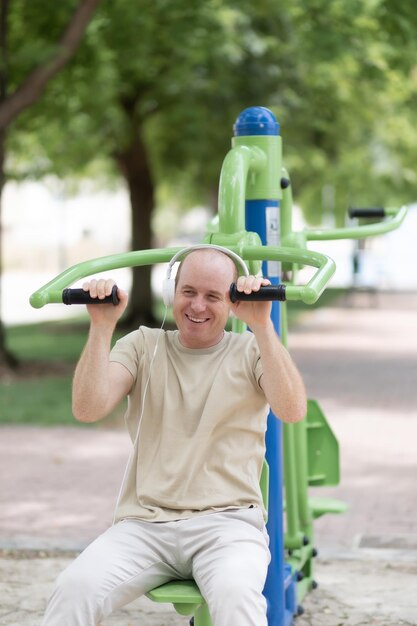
column 99, row 384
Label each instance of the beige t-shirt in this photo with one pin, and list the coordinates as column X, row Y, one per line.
column 201, row 441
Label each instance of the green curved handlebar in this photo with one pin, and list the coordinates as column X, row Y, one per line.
column 52, row 292
column 359, row 232
column 309, row 293
column 232, row 186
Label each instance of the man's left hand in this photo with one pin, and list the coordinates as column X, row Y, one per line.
column 253, row 313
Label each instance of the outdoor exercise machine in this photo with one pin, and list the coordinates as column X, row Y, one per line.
column 255, row 221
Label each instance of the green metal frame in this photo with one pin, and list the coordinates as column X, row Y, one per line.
column 312, row 439
column 309, row 293
column 253, row 169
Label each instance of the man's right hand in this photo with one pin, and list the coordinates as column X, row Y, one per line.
column 98, row 383
column 105, row 313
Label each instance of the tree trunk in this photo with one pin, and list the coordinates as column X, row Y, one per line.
column 6, row 357
column 134, row 165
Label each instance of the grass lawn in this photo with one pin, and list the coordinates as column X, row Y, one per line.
column 40, row 392
column 50, row 341
column 44, row 401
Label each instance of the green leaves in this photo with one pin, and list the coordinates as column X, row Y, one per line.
column 340, row 76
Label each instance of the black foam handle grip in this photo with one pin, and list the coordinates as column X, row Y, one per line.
column 79, row 296
column 267, row 292
column 374, row 212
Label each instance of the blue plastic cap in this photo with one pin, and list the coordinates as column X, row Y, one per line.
column 256, row 121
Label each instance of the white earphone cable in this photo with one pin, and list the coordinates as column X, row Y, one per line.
column 132, row 452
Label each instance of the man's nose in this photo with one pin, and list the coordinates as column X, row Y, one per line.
column 198, row 303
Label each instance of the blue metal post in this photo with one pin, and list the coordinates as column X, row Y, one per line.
column 262, row 217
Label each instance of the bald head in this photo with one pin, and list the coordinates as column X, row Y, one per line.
column 215, row 261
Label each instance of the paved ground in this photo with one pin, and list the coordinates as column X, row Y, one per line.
column 58, row 486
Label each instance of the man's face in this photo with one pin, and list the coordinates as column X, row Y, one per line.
column 201, row 302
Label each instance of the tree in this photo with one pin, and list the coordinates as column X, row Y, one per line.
column 13, row 102
column 156, row 93
column 351, row 123
column 152, row 95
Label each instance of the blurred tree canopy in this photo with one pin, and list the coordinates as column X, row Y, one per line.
column 152, row 93
column 22, row 83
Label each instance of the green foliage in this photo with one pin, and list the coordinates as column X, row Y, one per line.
column 355, row 90
column 32, row 34
column 340, row 76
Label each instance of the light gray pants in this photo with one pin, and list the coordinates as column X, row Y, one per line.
column 226, row 553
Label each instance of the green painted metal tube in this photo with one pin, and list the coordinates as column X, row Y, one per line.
column 286, row 208
column 359, row 232
column 303, row 587
column 52, row 291
column 300, row 557
column 309, row 293
column 293, row 537
column 202, row 616
column 264, row 180
column 301, row 453
column 232, row 186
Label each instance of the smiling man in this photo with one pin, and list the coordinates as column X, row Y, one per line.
column 190, row 505
column 201, row 305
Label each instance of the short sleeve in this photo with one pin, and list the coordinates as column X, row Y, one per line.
column 128, row 351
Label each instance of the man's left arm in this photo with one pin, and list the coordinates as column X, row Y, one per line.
column 281, row 381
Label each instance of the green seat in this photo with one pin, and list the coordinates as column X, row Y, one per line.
column 185, row 594
column 321, row 506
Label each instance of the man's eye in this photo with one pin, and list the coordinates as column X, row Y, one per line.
column 187, row 292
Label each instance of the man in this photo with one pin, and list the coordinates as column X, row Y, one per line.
column 190, row 504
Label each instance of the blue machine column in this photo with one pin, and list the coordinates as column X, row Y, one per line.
column 258, row 126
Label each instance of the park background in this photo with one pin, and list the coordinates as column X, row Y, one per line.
column 115, row 118
column 139, row 99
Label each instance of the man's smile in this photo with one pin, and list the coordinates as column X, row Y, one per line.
column 196, row 320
